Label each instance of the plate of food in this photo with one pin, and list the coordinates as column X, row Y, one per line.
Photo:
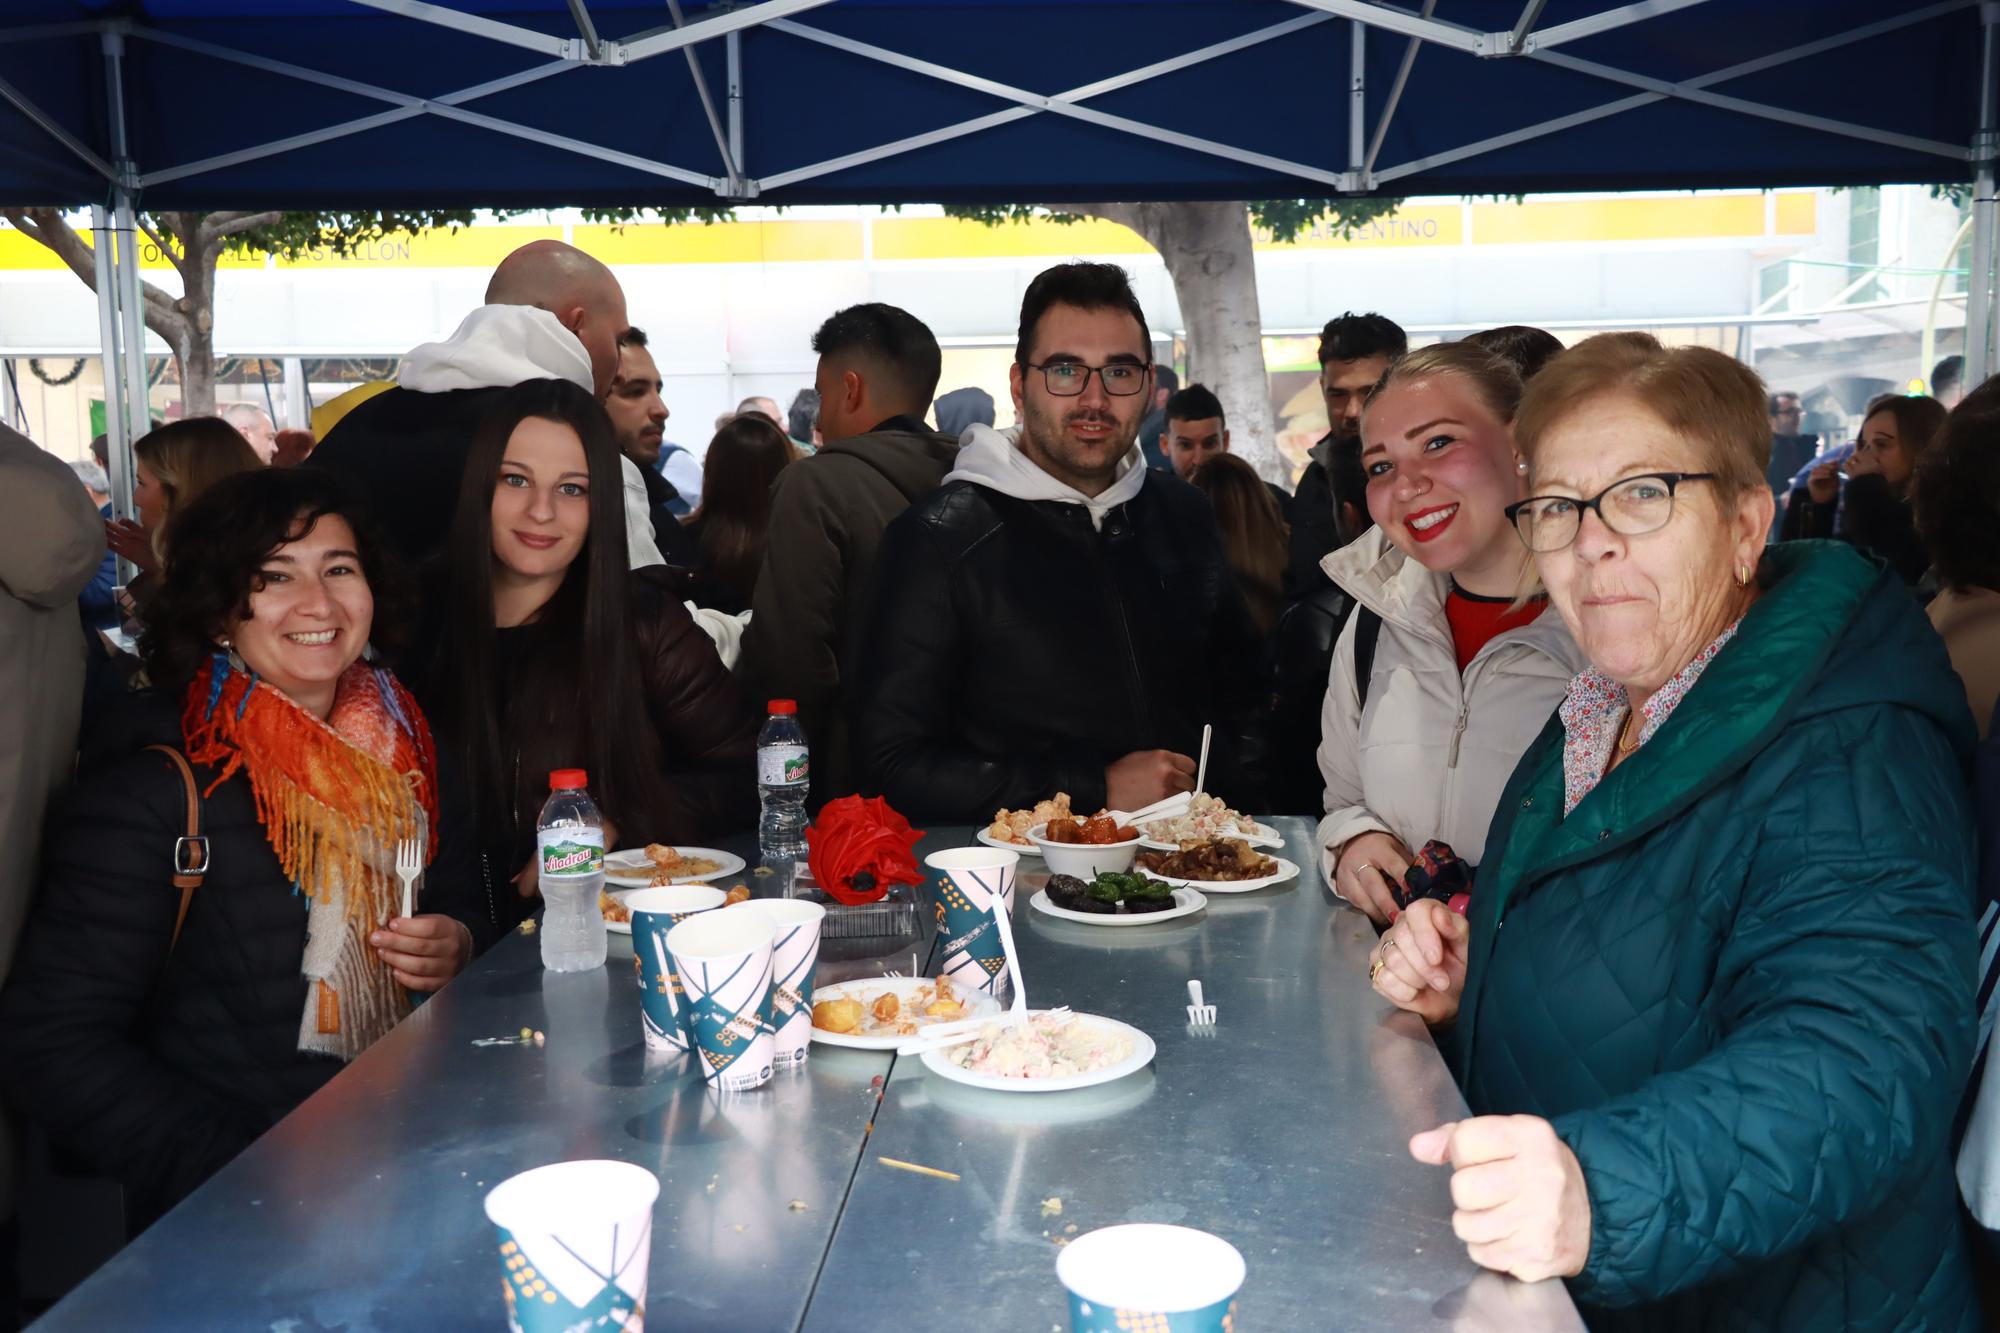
column 661, row 864
column 1220, row 865
column 1009, row 828
column 1206, row 818
column 618, row 916
column 1116, row 900
column 1050, row 1052
column 881, row 1013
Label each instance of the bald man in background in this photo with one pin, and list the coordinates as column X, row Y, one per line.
column 551, row 312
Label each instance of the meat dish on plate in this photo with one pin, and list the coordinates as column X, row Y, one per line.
column 1013, row 825
column 1217, row 860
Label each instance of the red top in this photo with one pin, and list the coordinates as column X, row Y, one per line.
column 1475, row 620
column 565, row 779
column 782, row 706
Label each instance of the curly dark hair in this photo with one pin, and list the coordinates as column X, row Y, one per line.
column 1956, row 493
column 224, row 535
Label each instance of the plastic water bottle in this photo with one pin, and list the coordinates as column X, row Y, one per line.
column 569, row 849
column 782, row 772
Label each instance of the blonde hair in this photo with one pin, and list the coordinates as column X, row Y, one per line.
column 1705, row 397
column 187, row 457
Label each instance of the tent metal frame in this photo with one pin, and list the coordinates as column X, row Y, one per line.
column 116, row 230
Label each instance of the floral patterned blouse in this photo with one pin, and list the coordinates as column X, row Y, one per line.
column 1594, row 714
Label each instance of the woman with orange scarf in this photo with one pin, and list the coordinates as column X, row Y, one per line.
column 156, row 1032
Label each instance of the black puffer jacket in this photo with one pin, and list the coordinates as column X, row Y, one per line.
column 1301, row 661
column 1013, row 652
column 156, row 1066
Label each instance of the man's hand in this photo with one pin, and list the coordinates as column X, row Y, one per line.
column 424, row 951
column 1420, row 964
column 1146, row 776
column 1522, row 1207
column 1358, row 874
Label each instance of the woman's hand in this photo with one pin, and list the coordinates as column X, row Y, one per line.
column 1862, row 462
column 1358, row 874
column 1522, row 1207
column 1823, row 483
column 1420, row 963
column 128, row 540
column 424, row 951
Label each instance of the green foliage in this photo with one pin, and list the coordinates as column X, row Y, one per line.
column 1284, row 219
column 295, row 235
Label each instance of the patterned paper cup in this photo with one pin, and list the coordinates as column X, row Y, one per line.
column 661, row 998
column 575, row 1238
column 1147, row 1276
column 974, row 878
column 724, row 960
column 795, row 957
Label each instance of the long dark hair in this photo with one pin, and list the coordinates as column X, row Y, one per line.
column 744, row 458
column 573, row 699
column 223, row 536
column 1253, row 532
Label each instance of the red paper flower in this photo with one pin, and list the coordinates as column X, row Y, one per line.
column 858, row 848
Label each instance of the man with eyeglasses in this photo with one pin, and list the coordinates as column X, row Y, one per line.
column 1057, row 617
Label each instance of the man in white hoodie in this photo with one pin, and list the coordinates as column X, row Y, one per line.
column 1056, row 617
column 551, row 312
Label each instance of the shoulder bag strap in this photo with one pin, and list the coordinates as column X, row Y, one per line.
column 1367, row 629
column 191, row 849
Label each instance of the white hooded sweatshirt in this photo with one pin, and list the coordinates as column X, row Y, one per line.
column 500, row 345
column 993, row 458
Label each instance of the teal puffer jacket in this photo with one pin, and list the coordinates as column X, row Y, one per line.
column 1738, row 977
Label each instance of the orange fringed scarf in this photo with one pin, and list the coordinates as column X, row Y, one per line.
column 334, row 797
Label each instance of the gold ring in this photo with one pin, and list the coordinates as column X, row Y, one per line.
column 1375, row 970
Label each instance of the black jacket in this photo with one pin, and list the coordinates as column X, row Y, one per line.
column 1314, row 531
column 156, row 1066
column 1301, row 662
column 1868, row 515
column 1013, row 652
column 406, row 452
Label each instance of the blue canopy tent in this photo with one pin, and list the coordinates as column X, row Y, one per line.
column 226, row 104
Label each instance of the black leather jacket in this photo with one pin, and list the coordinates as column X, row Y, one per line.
column 1013, row 652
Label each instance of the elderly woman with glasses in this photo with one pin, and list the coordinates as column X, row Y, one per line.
column 1712, row 1007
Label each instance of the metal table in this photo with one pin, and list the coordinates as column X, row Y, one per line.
column 1284, row 1132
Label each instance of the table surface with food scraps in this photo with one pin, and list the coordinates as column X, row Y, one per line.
column 1281, row 1128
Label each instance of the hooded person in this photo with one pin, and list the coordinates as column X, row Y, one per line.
column 878, row 367
column 1056, row 617
column 551, row 312
column 962, row 409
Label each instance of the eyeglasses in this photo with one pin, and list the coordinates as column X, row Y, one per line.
column 1067, row 379
column 1630, row 508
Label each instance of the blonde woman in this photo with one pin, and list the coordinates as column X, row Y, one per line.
column 1444, row 674
column 170, row 467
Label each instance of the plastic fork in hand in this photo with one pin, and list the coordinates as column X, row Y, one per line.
column 1199, row 1014
column 409, row 865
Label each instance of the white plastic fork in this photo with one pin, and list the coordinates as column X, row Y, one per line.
column 934, row 1041
column 409, row 865
column 1199, row 1014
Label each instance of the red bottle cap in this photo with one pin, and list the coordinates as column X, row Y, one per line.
column 784, row 706
column 564, row 778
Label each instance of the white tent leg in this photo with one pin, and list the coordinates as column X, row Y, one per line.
column 1983, row 283
column 117, row 426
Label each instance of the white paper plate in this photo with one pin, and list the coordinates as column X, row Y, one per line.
column 1286, row 870
column 939, row 1063
column 1265, row 836
column 1186, row 903
column 634, row 869
column 1024, row 848
column 977, row 1004
column 618, row 927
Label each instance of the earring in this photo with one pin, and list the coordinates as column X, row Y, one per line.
column 1743, row 573
column 222, row 642
column 1521, row 468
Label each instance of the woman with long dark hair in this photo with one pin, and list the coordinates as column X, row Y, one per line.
column 543, row 652
column 1253, row 533
column 745, row 457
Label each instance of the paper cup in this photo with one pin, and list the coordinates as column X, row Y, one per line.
column 661, row 998
column 575, row 1238
column 974, row 878
column 795, row 957
column 723, row 958
column 1147, row 1276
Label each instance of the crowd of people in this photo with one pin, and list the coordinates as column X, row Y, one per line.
column 1519, row 635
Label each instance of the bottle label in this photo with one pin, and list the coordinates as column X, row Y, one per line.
column 571, row 853
column 782, row 766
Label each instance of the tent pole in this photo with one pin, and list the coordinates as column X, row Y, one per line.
column 117, row 427
column 1357, row 95
column 733, row 45
column 1981, row 282
column 125, row 244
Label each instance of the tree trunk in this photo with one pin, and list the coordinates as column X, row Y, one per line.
column 194, row 349
column 1207, row 250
